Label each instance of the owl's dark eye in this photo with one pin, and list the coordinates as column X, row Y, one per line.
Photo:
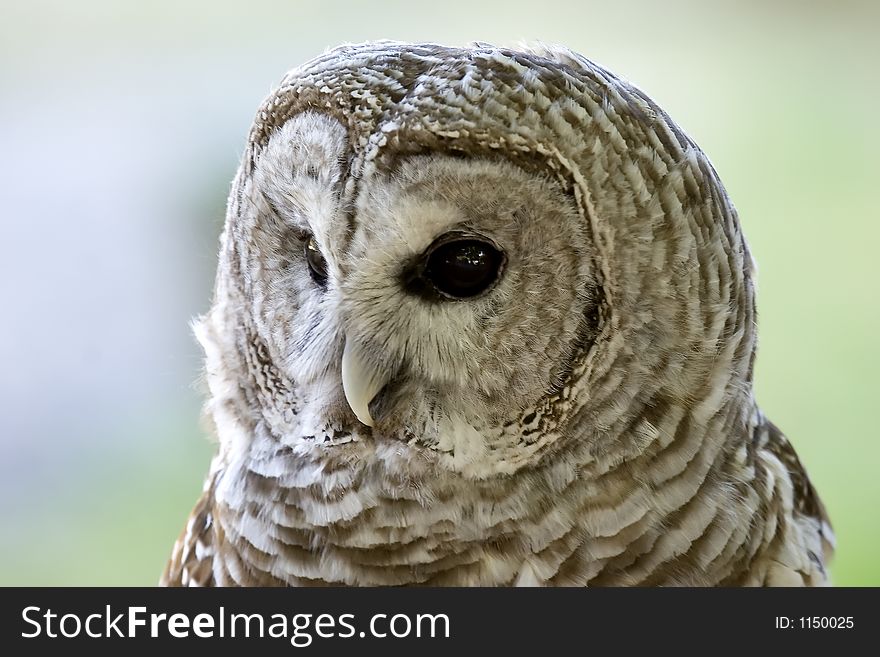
column 316, row 261
column 462, row 267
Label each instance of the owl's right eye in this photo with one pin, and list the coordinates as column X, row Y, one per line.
column 317, row 263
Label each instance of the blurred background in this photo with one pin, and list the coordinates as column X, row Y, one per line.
column 121, row 126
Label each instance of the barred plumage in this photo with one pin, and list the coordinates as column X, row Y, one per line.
column 589, row 420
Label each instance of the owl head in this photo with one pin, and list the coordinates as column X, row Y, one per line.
column 471, row 260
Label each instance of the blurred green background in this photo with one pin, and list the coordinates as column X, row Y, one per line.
column 121, row 125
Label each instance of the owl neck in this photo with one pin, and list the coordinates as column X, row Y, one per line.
column 373, row 514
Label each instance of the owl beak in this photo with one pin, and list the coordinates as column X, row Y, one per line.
column 361, row 382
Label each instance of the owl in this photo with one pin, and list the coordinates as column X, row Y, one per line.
column 486, row 316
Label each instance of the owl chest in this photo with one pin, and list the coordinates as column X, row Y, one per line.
column 379, row 534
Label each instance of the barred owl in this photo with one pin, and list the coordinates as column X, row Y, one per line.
column 486, row 317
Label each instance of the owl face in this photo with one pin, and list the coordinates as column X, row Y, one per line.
column 433, row 304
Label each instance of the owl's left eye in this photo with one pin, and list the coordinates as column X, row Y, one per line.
column 462, row 267
column 317, row 263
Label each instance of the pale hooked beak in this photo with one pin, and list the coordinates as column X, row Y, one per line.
column 361, row 381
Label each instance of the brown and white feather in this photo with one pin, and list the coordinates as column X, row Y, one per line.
column 591, row 421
